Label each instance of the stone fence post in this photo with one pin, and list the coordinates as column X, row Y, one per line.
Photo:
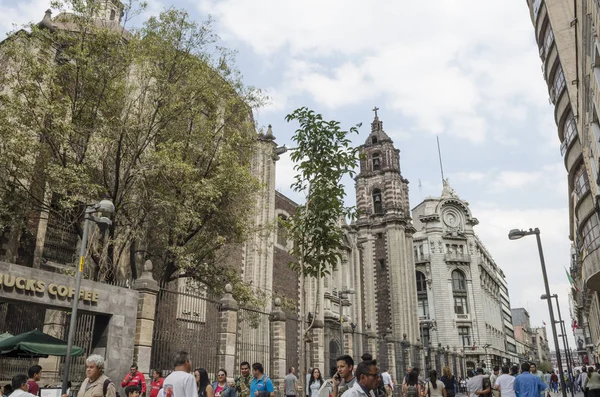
column 228, row 318
column 147, row 289
column 278, row 347
column 391, row 355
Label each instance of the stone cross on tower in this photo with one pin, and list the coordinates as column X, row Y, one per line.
column 375, row 109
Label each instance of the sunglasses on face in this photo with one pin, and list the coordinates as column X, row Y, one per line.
column 220, row 374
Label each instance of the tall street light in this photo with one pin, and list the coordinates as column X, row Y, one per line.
column 343, row 293
column 516, row 234
column 564, row 338
column 104, row 208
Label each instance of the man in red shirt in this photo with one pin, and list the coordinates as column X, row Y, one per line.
column 135, row 378
column 35, row 374
column 157, row 383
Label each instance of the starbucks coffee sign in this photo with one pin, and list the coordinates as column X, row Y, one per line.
column 31, row 286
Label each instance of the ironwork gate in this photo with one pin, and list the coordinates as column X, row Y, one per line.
column 17, row 318
column 253, row 336
column 185, row 320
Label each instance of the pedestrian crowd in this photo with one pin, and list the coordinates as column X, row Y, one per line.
column 346, row 380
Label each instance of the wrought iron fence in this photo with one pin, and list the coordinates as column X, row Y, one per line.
column 186, row 319
column 361, row 344
column 253, row 336
column 382, row 354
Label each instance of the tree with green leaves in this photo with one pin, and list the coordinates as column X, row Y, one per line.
column 157, row 119
column 323, row 155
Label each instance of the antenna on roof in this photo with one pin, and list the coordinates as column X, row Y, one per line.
column 440, row 157
column 420, row 189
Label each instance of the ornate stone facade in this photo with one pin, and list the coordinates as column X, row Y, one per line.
column 458, row 284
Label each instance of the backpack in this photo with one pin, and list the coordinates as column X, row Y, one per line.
column 485, row 384
column 411, row 391
column 105, row 388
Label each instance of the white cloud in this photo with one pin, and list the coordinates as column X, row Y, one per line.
column 520, row 260
column 16, row 14
column 453, row 74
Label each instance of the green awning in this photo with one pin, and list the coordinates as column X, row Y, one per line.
column 35, row 344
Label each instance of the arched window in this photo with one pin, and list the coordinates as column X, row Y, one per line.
column 113, row 14
column 459, row 283
column 423, row 304
column 459, row 292
column 376, row 161
column 421, row 282
column 377, row 203
column 374, row 139
column 281, row 231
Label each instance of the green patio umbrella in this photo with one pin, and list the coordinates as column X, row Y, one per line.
column 35, row 344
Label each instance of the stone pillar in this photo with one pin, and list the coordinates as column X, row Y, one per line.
column 317, row 346
column 405, row 345
column 54, row 325
column 391, row 352
column 147, row 289
column 372, row 343
column 278, row 347
column 226, row 341
column 348, row 341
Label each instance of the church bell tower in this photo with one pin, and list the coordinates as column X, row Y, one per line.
column 385, row 233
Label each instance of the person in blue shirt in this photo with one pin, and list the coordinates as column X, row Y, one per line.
column 261, row 385
column 527, row 384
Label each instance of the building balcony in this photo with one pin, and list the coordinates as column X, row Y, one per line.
column 591, row 270
column 420, row 259
column 573, row 154
column 462, row 317
column 457, row 258
column 539, row 14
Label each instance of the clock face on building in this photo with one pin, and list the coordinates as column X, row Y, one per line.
column 451, row 219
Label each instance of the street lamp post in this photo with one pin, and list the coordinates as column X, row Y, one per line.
column 516, row 234
column 104, row 208
column 341, row 296
column 564, row 338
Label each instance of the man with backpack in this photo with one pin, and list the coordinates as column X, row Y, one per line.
column 96, row 383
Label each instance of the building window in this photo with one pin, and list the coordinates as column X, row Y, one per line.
column 376, row 162
column 460, row 305
column 464, row 336
column 425, row 336
column 112, row 15
column 459, row 283
column 559, row 82
column 581, row 182
column 548, row 39
column 374, row 139
column 421, row 282
column 590, row 232
column 569, row 133
column 377, row 204
column 281, row 231
column 423, row 309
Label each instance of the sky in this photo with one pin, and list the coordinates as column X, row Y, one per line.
column 466, row 71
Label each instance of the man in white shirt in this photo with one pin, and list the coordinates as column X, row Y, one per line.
column 20, row 386
column 505, row 384
column 387, row 382
column 180, row 383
